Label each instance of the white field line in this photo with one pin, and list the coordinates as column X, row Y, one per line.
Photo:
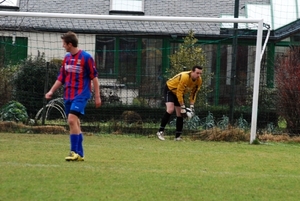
column 46, row 143
column 121, row 169
column 138, row 148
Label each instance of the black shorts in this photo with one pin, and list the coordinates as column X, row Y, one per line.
column 170, row 96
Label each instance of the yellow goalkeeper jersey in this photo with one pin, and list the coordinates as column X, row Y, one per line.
column 182, row 83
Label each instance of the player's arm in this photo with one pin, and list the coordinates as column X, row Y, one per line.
column 181, row 88
column 59, row 82
column 180, row 92
column 194, row 91
column 55, row 86
column 94, row 77
column 192, row 100
column 97, row 92
column 193, row 95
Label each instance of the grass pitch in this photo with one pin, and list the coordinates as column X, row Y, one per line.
column 119, row 167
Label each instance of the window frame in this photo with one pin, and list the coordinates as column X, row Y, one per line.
column 13, row 5
column 114, row 10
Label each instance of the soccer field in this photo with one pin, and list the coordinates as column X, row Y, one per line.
column 119, row 167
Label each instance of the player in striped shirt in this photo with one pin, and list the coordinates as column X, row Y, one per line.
column 76, row 74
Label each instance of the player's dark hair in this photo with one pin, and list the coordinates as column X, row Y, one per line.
column 194, row 68
column 70, row 37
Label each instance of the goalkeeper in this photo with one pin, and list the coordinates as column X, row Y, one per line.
column 182, row 83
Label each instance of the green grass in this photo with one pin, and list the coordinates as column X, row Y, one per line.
column 142, row 168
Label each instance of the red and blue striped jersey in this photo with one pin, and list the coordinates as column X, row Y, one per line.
column 76, row 74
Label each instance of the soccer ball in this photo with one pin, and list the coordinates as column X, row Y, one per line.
column 189, row 113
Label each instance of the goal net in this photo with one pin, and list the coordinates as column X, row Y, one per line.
column 132, row 54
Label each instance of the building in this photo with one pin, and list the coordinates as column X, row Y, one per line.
column 132, row 56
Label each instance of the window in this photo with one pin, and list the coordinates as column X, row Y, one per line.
column 151, row 68
column 12, row 49
column 127, row 6
column 128, row 54
column 130, row 60
column 9, row 3
column 105, row 55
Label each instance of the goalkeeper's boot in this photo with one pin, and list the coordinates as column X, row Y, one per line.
column 80, row 158
column 178, row 139
column 72, row 156
column 160, row 135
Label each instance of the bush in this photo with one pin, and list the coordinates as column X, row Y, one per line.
column 13, row 127
column 6, row 78
column 288, row 85
column 14, row 111
column 230, row 134
column 108, row 112
column 30, row 80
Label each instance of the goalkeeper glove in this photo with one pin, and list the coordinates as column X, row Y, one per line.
column 192, row 108
column 183, row 111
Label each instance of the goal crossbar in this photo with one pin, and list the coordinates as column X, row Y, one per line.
column 129, row 18
column 259, row 49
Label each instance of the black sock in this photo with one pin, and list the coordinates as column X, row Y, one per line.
column 178, row 134
column 179, row 126
column 164, row 121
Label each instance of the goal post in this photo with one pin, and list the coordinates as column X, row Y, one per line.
column 258, row 51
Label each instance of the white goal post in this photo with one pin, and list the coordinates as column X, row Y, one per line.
column 258, row 53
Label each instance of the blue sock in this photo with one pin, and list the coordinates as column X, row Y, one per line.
column 74, row 138
column 80, row 146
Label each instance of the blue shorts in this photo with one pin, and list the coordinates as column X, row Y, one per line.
column 75, row 106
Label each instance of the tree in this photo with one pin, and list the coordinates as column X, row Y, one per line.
column 288, row 89
column 189, row 54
